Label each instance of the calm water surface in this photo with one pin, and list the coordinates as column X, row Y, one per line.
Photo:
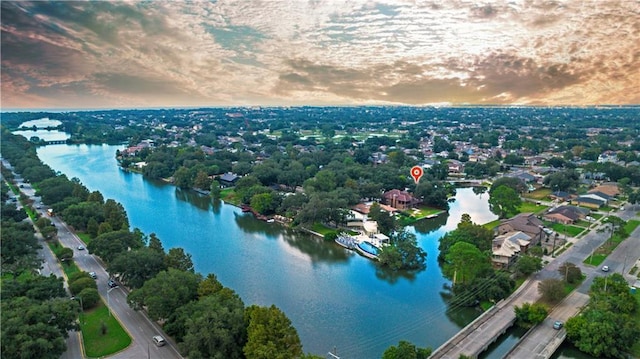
column 334, row 297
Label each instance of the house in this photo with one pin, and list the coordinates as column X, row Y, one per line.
column 505, row 248
column 590, row 202
column 527, row 223
column 611, row 189
column 399, row 199
column 455, row 166
column 228, row 179
column 523, row 176
column 560, row 195
column 566, row 214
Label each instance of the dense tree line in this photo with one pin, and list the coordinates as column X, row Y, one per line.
column 36, row 311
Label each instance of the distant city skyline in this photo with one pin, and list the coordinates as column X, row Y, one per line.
column 80, row 55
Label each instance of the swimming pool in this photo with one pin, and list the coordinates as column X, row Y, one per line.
column 369, row 248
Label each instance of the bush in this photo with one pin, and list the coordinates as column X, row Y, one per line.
column 330, row 236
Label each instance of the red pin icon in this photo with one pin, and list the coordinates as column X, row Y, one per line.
column 416, row 173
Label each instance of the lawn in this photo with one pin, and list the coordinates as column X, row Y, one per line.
column 229, row 195
column 86, row 238
column 97, row 344
column 491, row 225
column 571, row 231
column 69, row 267
column 527, row 207
column 322, row 229
column 541, row 193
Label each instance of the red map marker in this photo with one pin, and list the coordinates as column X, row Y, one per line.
column 416, row 173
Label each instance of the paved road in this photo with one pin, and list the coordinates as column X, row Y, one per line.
column 543, row 340
column 139, row 327
column 474, row 338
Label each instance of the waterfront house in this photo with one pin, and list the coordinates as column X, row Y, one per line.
column 399, row 199
column 228, row 179
column 505, row 248
column 527, row 223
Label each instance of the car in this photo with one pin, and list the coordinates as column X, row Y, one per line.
column 605, row 268
column 112, row 284
column 557, row 325
column 159, row 341
column 93, row 275
column 81, row 248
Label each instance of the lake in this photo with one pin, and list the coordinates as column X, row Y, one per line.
column 335, row 298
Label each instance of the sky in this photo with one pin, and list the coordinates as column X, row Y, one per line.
column 101, row 54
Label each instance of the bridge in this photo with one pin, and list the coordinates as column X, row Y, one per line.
column 56, row 142
column 484, row 330
column 541, row 341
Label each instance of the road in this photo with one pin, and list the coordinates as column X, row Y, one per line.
column 139, row 327
column 543, row 340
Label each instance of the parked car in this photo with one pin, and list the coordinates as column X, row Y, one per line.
column 605, row 268
column 557, row 325
column 93, row 275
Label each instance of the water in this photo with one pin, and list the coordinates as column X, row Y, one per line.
column 334, row 297
column 46, row 135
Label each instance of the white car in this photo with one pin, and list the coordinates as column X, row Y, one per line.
column 81, row 247
column 605, row 268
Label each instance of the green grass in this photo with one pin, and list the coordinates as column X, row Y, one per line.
column 492, row 224
column 95, row 343
column 86, row 238
column 541, row 193
column 595, row 215
column 526, row 207
column 596, row 259
column 68, row 267
column 631, row 225
column 322, row 229
column 229, row 195
column 567, row 230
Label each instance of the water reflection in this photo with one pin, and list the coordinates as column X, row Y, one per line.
column 193, row 197
column 216, row 205
column 249, row 224
column 316, row 248
column 391, row 276
column 429, row 225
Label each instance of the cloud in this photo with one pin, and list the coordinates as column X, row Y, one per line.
column 262, row 52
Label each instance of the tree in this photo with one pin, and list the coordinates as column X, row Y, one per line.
column 465, row 262
column 403, row 253
column 65, row 254
column 552, row 290
column 214, row 327
column 570, row 272
column 155, row 243
column 90, row 297
column 36, row 329
column 528, row 265
column 515, row 183
column 209, row 286
column 386, row 221
column 504, row 200
column 127, row 264
column 270, row 334
column 606, row 327
column 529, row 315
column 80, row 284
column 177, row 258
column 406, row 350
column 165, row 293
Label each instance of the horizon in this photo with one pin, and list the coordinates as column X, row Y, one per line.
column 60, row 110
column 62, row 55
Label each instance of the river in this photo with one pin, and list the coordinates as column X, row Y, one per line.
column 334, row 297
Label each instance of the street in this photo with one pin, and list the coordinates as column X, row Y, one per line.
column 139, row 327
